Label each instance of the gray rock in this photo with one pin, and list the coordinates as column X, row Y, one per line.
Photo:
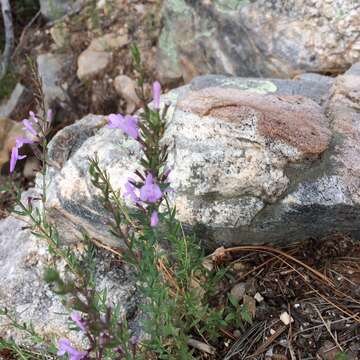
column 50, row 67
column 23, row 259
column 60, row 34
column 238, row 291
column 253, row 160
column 71, row 200
column 10, row 108
column 54, row 9
column 257, row 38
column 97, row 57
column 126, row 88
column 92, row 63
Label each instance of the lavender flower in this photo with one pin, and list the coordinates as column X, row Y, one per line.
column 28, row 125
column 49, row 116
column 65, row 347
column 154, row 220
column 130, row 192
column 33, row 116
column 156, row 94
column 128, row 124
column 167, row 172
column 19, row 142
column 79, row 321
column 150, row 192
column 14, row 158
column 134, row 340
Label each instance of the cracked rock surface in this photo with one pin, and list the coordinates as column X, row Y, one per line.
column 259, row 38
column 23, row 260
column 253, row 160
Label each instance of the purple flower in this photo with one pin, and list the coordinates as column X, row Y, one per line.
column 130, row 192
column 14, row 158
column 120, row 350
column 49, row 116
column 134, row 340
column 156, row 94
column 167, row 172
column 154, row 219
column 65, row 347
column 29, row 127
column 150, row 192
column 128, row 124
column 19, row 142
column 33, row 116
column 79, row 321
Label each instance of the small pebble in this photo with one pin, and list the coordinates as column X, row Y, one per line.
column 238, row 291
column 286, row 318
column 258, row 297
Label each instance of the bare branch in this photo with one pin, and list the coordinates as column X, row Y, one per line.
column 9, row 36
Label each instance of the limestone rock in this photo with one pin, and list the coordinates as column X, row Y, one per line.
column 257, row 38
column 60, row 35
column 125, row 87
column 54, row 9
column 12, row 107
column 253, row 161
column 50, row 67
column 238, row 291
column 23, row 259
column 97, row 57
column 109, row 42
column 71, row 197
column 92, row 63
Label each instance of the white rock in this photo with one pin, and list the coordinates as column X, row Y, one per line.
column 125, row 87
column 109, row 42
column 50, row 67
column 23, row 260
column 286, row 318
column 238, row 291
column 258, row 297
column 92, row 63
column 248, row 161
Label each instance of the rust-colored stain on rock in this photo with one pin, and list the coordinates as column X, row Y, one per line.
column 295, row 120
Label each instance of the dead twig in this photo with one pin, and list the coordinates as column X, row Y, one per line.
column 321, row 325
column 270, row 250
column 328, row 328
column 9, row 36
column 268, row 342
column 201, row 346
column 23, row 33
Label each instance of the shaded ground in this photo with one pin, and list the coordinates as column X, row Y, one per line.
column 317, row 283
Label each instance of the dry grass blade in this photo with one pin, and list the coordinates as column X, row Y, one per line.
column 270, row 250
column 268, row 342
column 201, row 346
column 328, row 328
column 327, row 300
column 244, row 344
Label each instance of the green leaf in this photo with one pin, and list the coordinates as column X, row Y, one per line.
column 233, row 300
column 245, row 314
column 135, row 53
column 51, row 275
column 341, row 356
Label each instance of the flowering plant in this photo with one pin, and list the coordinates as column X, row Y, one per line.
column 175, row 286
